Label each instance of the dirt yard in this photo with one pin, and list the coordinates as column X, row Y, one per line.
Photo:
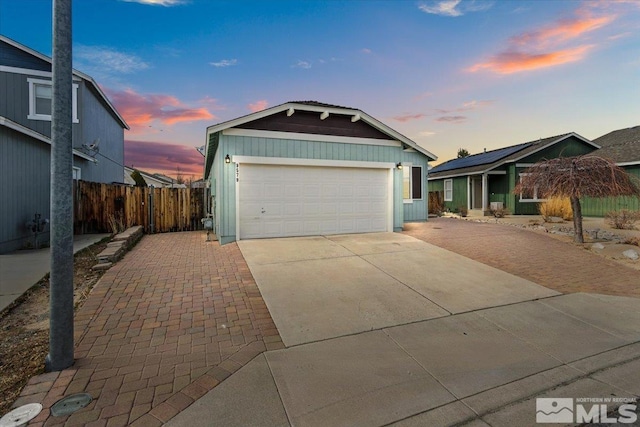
column 24, row 327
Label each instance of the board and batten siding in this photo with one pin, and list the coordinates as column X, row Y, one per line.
column 25, row 165
column 459, row 196
column 301, row 149
column 600, row 207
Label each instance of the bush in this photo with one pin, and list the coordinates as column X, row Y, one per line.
column 463, row 211
column 556, row 207
column 500, row 212
column 624, row 219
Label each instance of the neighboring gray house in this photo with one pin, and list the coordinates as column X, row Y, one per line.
column 25, row 139
column 308, row 168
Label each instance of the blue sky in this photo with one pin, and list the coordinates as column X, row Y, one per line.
column 447, row 74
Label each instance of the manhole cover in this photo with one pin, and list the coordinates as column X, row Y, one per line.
column 70, row 404
column 21, row 415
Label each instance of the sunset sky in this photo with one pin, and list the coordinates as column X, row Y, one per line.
column 448, row 74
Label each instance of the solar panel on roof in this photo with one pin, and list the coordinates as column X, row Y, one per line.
column 479, row 159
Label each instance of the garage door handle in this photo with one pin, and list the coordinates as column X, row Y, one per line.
column 262, row 210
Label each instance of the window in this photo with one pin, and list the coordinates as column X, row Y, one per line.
column 77, row 173
column 529, row 197
column 411, row 183
column 40, row 96
column 448, row 190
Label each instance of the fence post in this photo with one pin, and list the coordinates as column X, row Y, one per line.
column 151, row 211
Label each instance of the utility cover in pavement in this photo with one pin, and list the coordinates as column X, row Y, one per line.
column 21, row 415
column 70, row 404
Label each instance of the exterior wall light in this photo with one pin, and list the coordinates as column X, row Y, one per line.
column 399, row 166
column 227, row 159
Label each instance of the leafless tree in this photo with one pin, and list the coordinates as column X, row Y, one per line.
column 575, row 178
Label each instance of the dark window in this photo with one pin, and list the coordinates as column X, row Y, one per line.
column 416, row 182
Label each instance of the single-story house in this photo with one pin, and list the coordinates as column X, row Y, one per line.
column 25, row 139
column 623, row 147
column 484, row 181
column 157, row 180
column 309, row 168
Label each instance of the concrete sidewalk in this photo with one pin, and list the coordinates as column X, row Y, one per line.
column 20, row 270
column 483, row 368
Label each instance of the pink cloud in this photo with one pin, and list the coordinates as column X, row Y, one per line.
column 163, row 158
column 409, row 117
column 514, row 62
column 142, row 109
column 258, row 105
column 548, row 46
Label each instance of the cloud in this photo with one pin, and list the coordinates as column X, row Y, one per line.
column 451, row 119
column 560, row 42
column 162, row 157
column 408, row 117
column 514, row 62
column 258, row 105
column 109, row 60
column 224, row 63
column 143, row 109
column 166, row 3
column 453, row 8
column 366, row 50
column 426, row 133
column 302, row 64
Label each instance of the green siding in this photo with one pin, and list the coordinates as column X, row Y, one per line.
column 498, row 188
column 286, row 148
column 459, row 195
column 600, row 207
column 571, row 146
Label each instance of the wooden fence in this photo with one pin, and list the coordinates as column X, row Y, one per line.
column 158, row 210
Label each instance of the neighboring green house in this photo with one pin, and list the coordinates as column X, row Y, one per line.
column 484, row 181
column 308, row 168
column 623, row 147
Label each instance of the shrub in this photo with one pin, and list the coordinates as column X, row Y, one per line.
column 624, row 219
column 556, row 207
column 463, row 211
column 500, row 212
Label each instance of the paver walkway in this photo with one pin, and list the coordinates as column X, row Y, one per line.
column 558, row 265
column 161, row 328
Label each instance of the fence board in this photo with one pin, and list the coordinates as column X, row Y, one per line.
column 96, row 205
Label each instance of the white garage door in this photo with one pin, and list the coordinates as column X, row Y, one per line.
column 281, row 201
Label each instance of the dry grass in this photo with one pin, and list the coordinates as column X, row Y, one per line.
column 556, row 207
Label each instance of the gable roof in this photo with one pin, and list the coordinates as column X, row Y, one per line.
column 318, row 107
column 87, row 78
column 622, row 145
column 484, row 162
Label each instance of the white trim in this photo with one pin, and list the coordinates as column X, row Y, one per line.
column 469, row 190
column 289, row 161
column 524, row 165
column 286, row 161
column 33, row 115
column 25, row 71
column 555, row 141
column 77, row 173
column 485, row 191
column 458, row 175
column 535, row 193
column 407, row 168
column 331, row 110
column 255, row 133
column 444, row 188
column 637, row 162
column 496, row 173
column 36, row 135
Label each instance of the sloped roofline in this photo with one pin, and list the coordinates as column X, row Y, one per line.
column 320, row 109
column 505, row 160
column 75, row 72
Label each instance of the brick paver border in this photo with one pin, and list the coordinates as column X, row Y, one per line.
column 160, row 329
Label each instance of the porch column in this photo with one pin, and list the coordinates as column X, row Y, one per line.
column 485, row 192
column 469, row 190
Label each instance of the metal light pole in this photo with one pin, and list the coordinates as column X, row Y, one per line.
column 61, row 277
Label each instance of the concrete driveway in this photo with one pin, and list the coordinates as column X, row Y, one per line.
column 318, row 288
column 454, row 342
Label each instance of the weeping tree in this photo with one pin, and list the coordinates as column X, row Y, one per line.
column 575, row 178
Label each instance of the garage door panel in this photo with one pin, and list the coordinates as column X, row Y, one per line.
column 279, row 201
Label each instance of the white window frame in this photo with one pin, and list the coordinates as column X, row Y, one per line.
column 449, row 190
column 77, row 173
column 407, row 179
column 535, row 198
column 32, row 100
